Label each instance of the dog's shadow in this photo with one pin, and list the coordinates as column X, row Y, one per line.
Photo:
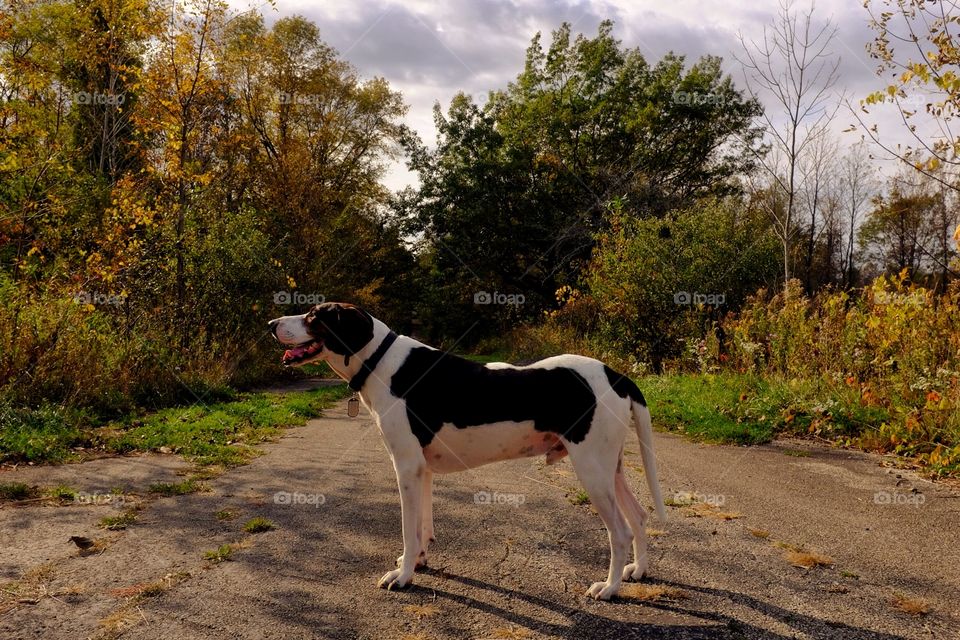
column 584, row 623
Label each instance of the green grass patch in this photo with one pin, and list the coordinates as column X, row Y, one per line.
column 224, row 433
column 579, row 498
column 17, row 491
column 62, row 492
column 177, row 488
column 45, row 434
column 118, row 523
column 259, row 525
column 221, row 554
column 217, row 433
column 747, row 409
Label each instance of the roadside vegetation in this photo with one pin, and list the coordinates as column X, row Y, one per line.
column 222, row 434
column 163, row 197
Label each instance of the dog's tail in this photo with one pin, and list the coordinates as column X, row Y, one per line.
column 644, row 427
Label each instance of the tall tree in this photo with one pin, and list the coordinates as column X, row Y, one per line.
column 793, row 67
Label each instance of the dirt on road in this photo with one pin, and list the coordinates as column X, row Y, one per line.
column 790, row 540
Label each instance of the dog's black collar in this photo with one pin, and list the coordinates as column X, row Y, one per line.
column 368, row 365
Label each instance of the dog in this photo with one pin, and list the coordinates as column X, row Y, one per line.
column 439, row 413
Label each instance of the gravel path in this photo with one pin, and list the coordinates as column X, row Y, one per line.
column 513, row 556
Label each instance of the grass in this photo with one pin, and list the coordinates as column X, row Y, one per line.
column 177, row 488
column 119, row 522
column 908, row 605
column 421, row 611
column 62, row 492
column 259, row 525
column 221, row 554
column 808, row 559
column 219, row 433
column 17, row 491
column 580, row 497
column 225, row 514
column 749, row 409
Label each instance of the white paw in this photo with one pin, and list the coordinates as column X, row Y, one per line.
column 394, row 580
column 634, row 571
column 421, row 560
column 602, row 590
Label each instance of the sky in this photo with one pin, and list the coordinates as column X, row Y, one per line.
column 431, row 50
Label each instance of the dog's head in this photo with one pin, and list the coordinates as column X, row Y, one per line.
column 331, row 328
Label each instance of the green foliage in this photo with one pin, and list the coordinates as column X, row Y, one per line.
column 221, row 433
column 119, row 522
column 646, row 274
column 164, row 175
column 890, row 358
column 259, row 525
column 515, row 191
column 16, row 491
column 221, row 554
column 183, row 488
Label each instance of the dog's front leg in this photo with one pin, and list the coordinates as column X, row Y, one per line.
column 410, row 481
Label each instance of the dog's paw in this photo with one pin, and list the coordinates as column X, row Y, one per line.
column 634, row 571
column 602, row 590
column 421, row 560
column 394, row 580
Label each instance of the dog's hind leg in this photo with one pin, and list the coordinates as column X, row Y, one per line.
column 637, row 518
column 596, row 474
column 410, row 480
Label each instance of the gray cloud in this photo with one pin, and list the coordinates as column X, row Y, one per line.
column 432, row 50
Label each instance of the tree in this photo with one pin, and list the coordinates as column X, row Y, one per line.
column 925, row 75
column 516, row 189
column 793, row 67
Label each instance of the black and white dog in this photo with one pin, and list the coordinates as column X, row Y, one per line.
column 439, row 413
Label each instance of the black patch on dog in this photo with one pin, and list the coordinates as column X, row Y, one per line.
column 344, row 328
column 442, row 388
column 624, row 386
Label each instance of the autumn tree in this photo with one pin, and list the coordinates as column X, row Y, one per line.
column 793, row 66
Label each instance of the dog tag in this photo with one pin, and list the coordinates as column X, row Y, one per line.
column 353, row 407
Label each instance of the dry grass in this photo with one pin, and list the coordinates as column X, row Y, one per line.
column 763, row 534
column 908, row 605
column 115, row 624
column 145, row 590
column 655, row 533
column 651, row 592
column 704, row 510
column 32, row 587
column 421, row 611
column 808, row 559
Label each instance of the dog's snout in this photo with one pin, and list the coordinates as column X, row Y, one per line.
column 273, row 326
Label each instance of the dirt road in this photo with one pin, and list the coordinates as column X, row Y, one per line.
column 513, row 557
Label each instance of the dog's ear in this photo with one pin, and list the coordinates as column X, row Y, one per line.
column 347, row 328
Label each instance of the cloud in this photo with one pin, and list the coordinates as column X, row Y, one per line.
column 430, row 50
